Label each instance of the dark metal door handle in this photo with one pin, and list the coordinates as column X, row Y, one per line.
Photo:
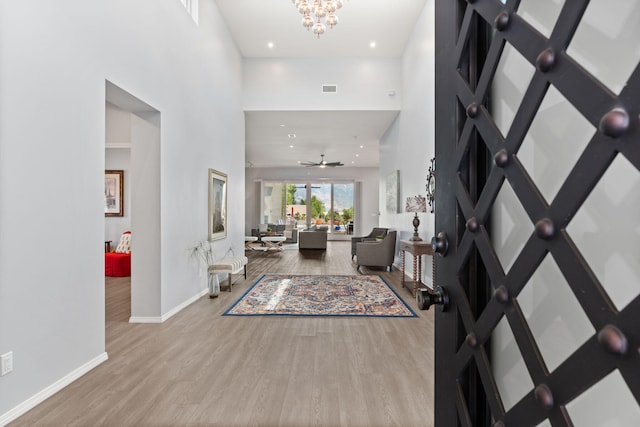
column 440, row 244
column 426, row 298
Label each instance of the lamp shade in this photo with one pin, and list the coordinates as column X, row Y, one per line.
column 416, row 204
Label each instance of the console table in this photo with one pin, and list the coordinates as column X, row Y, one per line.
column 417, row 249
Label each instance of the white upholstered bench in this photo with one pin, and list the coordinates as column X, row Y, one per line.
column 230, row 265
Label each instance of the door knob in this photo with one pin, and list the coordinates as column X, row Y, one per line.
column 440, row 244
column 426, row 298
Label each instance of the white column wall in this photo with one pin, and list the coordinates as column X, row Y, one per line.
column 54, row 60
column 146, row 243
column 409, row 144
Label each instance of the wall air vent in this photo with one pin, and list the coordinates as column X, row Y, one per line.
column 329, row 88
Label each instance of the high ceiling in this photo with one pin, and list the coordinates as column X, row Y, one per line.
column 256, row 23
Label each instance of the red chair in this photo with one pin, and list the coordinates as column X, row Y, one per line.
column 118, row 262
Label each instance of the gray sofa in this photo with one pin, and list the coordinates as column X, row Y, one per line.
column 312, row 239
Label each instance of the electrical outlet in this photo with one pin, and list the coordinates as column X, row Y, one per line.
column 7, row 363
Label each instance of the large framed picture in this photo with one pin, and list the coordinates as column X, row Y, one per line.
column 217, row 205
column 113, row 193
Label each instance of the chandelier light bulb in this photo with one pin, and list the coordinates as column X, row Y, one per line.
column 304, row 7
column 330, row 6
column 318, row 28
column 307, row 21
column 338, row 3
column 332, row 20
column 321, row 12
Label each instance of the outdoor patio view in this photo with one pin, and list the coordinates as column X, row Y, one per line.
column 306, row 204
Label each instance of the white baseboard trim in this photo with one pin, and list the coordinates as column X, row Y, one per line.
column 139, row 319
column 170, row 313
column 49, row 391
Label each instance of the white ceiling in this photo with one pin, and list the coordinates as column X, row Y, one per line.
column 351, row 138
column 255, row 23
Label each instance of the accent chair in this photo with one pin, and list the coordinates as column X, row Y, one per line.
column 377, row 254
column 377, row 231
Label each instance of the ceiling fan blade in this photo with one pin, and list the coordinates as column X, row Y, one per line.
column 322, row 163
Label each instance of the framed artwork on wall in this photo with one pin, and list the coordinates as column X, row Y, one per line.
column 217, row 205
column 113, row 193
column 393, row 192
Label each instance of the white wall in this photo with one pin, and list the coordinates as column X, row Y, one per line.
column 366, row 219
column 409, row 143
column 282, row 84
column 147, row 286
column 295, row 84
column 52, row 160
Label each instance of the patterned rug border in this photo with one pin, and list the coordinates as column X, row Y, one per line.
column 413, row 313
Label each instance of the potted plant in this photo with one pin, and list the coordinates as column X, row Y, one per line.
column 203, row 252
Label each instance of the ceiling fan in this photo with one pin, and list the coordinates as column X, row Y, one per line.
column 323, row 163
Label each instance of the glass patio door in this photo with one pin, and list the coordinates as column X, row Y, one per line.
column 304, row 204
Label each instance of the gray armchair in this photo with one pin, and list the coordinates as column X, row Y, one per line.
column 371, row 236
column 378, row 253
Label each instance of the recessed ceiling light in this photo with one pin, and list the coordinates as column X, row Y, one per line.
column 270, row 45
column 362, row 146
column 357, row 155
column 282, row 125
column 291, row 146
column 353, row 161
column 372, row 44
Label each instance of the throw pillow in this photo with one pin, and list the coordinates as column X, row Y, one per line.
column 124, row 245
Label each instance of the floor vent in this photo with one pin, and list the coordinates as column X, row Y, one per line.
column 329, row 88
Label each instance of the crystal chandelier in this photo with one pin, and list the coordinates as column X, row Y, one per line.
column 324, row 12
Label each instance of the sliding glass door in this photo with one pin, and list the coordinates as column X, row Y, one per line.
column 323, row 204
column 273, row 203
column 342, row 208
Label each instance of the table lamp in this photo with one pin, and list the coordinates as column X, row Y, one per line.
column 416, row 204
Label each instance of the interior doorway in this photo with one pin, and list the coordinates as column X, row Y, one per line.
column 132, row 144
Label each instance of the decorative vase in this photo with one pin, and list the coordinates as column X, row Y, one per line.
column 214, row 284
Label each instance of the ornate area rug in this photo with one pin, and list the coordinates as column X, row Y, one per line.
column 332, row 295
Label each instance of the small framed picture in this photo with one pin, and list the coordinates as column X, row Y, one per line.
column 113, row 193
column 217, row 205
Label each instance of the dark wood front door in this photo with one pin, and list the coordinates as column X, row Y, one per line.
column 537, row 159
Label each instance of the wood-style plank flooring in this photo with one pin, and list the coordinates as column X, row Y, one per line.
column 203, row 369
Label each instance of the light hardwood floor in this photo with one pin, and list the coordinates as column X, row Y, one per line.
column 203, row 369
